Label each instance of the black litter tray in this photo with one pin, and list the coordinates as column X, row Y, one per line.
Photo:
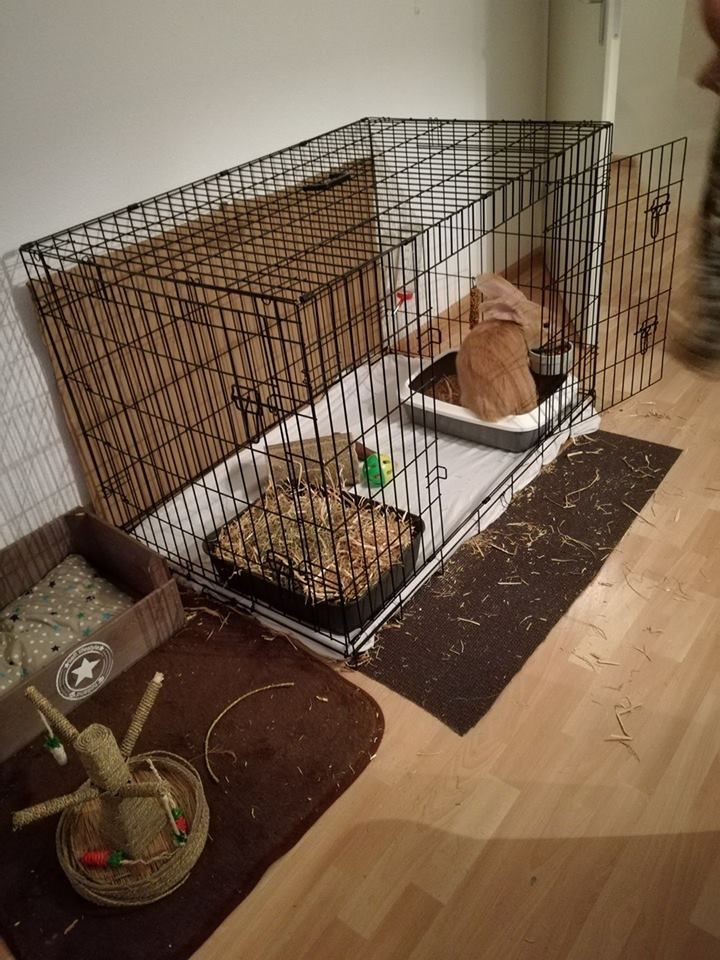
column 278, row 591
column 556, row 394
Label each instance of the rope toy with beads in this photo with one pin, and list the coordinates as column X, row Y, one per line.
column 115, row 858
column 175, row 816
column 180, row 822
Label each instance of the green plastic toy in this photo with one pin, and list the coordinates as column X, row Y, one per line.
column 377, row 469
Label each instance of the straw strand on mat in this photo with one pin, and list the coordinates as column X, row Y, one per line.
column 228, row 708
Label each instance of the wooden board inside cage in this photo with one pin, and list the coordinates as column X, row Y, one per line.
column 446, row 330
column 166, row 361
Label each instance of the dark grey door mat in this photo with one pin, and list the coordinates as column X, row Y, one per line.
column 469, row 630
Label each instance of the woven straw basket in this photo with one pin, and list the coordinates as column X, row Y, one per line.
column 167, row 863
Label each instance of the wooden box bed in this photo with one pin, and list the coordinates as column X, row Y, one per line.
column 155, row 614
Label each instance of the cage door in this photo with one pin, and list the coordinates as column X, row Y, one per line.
column 643, row 207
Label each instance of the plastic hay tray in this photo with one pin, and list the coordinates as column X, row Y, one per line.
column 338, row 616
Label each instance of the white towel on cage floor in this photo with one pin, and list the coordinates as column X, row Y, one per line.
column 358, row 405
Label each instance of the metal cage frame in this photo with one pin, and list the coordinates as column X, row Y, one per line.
column 298, row 297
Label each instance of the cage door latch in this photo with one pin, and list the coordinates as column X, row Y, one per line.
column 248, row 403
column 332, row 180
column 657, row 210
column 429, row 338
column 645, row 332
column 436, row 474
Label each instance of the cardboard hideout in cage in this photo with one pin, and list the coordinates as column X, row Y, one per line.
column 433, row 397
column 307, row 554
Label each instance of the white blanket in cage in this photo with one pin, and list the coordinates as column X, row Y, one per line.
column 440, row 478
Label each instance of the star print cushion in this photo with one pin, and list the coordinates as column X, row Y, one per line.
column 66, row 606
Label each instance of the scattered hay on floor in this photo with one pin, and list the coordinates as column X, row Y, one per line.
column 528, row 533
column 323, row 543
column 625, row 738
column 523, row 534
column 480, row 543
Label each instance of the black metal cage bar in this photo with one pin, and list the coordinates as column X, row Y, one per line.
column 258, row 368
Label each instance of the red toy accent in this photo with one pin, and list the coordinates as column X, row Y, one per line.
column 95, row 858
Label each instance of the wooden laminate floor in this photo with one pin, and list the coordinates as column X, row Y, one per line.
column 534, row 836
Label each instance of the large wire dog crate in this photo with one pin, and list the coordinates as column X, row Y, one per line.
column 252, row 365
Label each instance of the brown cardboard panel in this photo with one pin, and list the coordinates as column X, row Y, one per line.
column 149, row 362
column 27, row 560
column 131, row 635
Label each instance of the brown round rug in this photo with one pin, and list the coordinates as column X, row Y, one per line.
column 281, row 756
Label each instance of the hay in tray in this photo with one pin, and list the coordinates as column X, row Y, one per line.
column 446, row 389
column 332, row 546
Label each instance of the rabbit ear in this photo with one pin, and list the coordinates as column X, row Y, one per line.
column 493, row 285
column 498, row 310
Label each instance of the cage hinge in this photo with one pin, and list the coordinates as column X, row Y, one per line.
column 108, row 491
column 245, row 401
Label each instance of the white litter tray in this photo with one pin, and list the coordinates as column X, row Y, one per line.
column 515, row 434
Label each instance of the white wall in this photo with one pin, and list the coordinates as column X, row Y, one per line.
column 515, row 40
column 663, row 49
column 108, row 101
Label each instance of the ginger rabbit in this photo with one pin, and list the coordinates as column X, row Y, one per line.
column 492, row 362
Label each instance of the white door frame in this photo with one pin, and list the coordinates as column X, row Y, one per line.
column 612, row 22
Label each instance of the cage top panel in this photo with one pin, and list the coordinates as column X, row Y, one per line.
column 291, row 223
